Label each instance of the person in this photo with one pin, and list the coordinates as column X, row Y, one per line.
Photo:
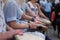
column 56, row 1
column 13, row 15
column 48, row 6
column 42, row 3
column 26, row 8
column 37, row 11
column 13, row 12
column 15, row 21
column 5, row 35
column 30, row 4
column 31, row 13
column 58, row 17
column 53, row 10
column 39, row 15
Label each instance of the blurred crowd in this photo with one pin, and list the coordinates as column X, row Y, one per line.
column 28, row 16
column 52, row 10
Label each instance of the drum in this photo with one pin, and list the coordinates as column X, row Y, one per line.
column 45, row 21
column 28, row 36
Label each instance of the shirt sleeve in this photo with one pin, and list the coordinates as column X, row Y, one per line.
column 25, row 7
column 11, row 13
column 19, row 13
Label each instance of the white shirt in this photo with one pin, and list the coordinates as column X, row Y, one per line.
column 2, row 22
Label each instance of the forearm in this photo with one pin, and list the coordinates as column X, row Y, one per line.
column 40, row 12
column 18, row 26
column 42, row 15
column 9, row 28
column 31, row 13
column 27, row 17
column 6, row 35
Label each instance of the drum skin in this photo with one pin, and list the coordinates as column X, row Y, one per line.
column 28, row 37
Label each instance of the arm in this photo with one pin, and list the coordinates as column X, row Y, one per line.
column 11, row 17
column 32, row 25
column 9, row 34
column 30, row 12
column 15, row 25
column 27, row 10
column 5, row 36
column 25, row 16
column 40, row 12
column 9, row 28
column 41, row 7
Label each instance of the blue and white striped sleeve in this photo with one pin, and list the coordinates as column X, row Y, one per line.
column 11, row 13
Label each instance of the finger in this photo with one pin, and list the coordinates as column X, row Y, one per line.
column 20, row 33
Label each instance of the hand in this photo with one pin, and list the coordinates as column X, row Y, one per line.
column 37, row 19
column 17, row 32
column 33, row 25
column 12, row 33
column 39, row 22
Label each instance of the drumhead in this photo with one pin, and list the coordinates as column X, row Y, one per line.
column 27, row 36
column 45, row 20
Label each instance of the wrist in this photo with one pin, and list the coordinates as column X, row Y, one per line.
column 33, row 19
